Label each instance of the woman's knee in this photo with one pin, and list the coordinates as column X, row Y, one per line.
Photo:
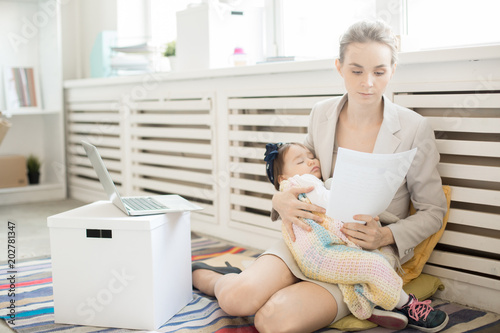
column 268, row 319
column 236, row 296
column 274, row 316
column 304, row 307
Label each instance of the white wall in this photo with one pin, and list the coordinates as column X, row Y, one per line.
column 71, row 46
column 81, row 21
column 95, row 16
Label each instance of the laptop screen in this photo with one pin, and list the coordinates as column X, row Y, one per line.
column 103, row 174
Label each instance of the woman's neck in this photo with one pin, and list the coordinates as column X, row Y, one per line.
column 362, row 116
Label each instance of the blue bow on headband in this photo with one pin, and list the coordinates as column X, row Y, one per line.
column 270, row 155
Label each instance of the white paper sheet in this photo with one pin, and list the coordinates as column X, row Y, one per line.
column 365, row 183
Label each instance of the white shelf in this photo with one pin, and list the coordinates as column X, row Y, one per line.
column 29, row 188
column 36, row 130
column 32, row 193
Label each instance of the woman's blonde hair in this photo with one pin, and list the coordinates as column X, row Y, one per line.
column 369, row 31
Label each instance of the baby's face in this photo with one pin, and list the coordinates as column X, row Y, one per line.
column 300, row 161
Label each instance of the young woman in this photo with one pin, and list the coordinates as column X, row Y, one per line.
column 273, row 288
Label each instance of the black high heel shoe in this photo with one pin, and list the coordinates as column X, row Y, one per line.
column 221, row 270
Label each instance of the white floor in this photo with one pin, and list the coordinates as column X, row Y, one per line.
column 32, row 233
column 31, row 228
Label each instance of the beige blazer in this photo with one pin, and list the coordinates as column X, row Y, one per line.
column 401, row 130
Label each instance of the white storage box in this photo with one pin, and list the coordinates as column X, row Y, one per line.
column 208, row 33
column 114, row 270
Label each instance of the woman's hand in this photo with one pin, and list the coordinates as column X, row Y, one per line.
column 290, row 208
column 369, row 236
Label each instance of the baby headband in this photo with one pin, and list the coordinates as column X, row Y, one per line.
column 270, row 155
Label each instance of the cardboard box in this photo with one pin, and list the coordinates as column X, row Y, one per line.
column 114, row 270
column 13, row 172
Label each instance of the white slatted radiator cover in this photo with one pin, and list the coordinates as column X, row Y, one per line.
column 173, row 151
column 253, row 122
column 99, row 123
column 467, row 129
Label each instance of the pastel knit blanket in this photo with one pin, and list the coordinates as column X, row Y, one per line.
column 365, row 278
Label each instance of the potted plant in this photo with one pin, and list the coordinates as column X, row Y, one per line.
column 170, row 54
column 33, row 164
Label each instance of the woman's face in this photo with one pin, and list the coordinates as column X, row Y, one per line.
column 366, row 71
column 299, row 161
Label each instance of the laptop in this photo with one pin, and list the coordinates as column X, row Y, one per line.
column 138, row 205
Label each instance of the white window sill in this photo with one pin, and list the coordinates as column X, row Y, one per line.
column 431, row 56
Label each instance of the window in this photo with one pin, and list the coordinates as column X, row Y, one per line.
column 450, row 23
column 163, row 19
column 312, row 29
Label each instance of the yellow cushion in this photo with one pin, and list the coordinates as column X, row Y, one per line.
column 422, row 252
column 352, row 324
column 422, row 286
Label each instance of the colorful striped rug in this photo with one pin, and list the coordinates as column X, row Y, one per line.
column 35, row 306
column 35, row 309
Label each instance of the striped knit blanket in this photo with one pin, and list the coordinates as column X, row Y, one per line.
column 325, row 254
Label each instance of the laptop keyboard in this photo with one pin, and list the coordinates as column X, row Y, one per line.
column 143, row 204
